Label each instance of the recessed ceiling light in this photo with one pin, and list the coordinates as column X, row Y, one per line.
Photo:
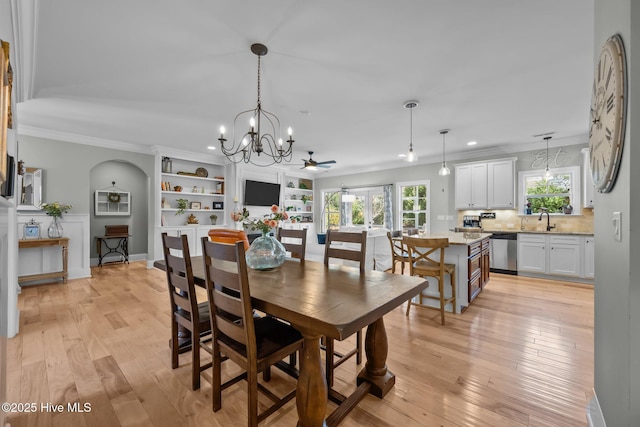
column 472, row 142
column 211, row 147
column 304, row 113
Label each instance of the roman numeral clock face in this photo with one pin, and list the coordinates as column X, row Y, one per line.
column 608, row 111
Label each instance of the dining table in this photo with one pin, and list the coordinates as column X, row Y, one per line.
column 334, row 301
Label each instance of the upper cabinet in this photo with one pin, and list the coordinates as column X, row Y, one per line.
column 485, row 185
column 501, row 184
column 471, row 186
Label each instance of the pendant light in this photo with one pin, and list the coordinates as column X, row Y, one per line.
column 547, row 174
column 411, row 155
column 444, row 170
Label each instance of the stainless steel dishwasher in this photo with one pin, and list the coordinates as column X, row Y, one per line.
column 503, row 253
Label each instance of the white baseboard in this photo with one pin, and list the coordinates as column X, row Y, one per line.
column 595, row 417
column 118, row 258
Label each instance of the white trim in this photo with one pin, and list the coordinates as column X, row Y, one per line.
column 595, row 417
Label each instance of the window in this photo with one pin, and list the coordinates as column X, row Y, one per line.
column 556, row 194
column 413, row 204
column 331, row 210
column 367, row 208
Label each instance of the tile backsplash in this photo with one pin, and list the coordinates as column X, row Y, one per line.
column 511, row 220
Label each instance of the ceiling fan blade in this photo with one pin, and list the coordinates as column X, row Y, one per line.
column 327, row 162
column 320, row 165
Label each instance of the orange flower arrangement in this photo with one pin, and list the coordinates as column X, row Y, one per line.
column 269, row 221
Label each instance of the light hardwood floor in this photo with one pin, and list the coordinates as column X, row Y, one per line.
column 521, row 355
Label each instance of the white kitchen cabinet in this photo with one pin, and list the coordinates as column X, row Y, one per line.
column 501, row 184
column 565, row 255
column 555, row 255
column 471, row 186
column 532, row 253
column 587, row 179
column 589, row 257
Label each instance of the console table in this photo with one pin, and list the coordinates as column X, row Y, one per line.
column 63, row 242
column 120, row 233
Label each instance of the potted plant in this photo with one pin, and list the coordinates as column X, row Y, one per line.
column 182, row 205
column 213, row 218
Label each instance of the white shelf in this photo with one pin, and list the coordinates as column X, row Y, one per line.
column 186, row 193
column 192, row 210
column 197, row 178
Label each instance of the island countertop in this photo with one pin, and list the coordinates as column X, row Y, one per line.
column 456, row 238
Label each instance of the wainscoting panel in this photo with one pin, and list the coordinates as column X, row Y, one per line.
column 45, row 260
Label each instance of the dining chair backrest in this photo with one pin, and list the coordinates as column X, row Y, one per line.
column 227, row 285
column 426, row 255
column 180, row 279
column 294, row 241
column 225, row 235
column 344, row 250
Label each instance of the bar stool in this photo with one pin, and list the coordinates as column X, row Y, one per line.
column 426, row 259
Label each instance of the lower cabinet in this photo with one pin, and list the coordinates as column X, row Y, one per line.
column 478, row 267
column 555, row 254
column 194, row 235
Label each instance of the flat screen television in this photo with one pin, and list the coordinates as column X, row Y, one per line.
column 258, row 193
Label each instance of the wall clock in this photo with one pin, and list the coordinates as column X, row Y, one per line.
column 608, row 114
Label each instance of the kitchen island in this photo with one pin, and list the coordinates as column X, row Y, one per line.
column 469, row 251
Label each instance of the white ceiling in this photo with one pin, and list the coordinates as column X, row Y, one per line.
column 166, row 73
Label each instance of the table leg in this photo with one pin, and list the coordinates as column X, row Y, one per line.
column 65, row 263
column 311, row 394
column 375, row 371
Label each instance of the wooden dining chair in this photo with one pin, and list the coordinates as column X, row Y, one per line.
column 398, row 252
column 226, row 235
column 426, row 259
column 252, row 343
column 336, row 246
column 185, row 310
column 298, row 247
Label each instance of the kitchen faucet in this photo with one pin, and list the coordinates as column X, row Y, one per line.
column 546, row 211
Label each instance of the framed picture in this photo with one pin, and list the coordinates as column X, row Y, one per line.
column 5, row 106
column 218, row 205
column 195, row 205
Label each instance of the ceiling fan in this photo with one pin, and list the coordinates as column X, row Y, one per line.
column 313, row 165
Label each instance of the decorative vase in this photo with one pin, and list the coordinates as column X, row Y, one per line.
column 265, row 253
column 527, row 211
column 55, row 228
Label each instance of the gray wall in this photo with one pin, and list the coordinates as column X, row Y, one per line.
column 617, row 281
column 127, row 177
column 67, row 174
column 442, row 200
column 442, row 188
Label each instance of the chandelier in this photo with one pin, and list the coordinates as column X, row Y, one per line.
column 261, row 144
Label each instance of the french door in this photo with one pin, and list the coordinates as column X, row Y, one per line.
column 365, row 207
